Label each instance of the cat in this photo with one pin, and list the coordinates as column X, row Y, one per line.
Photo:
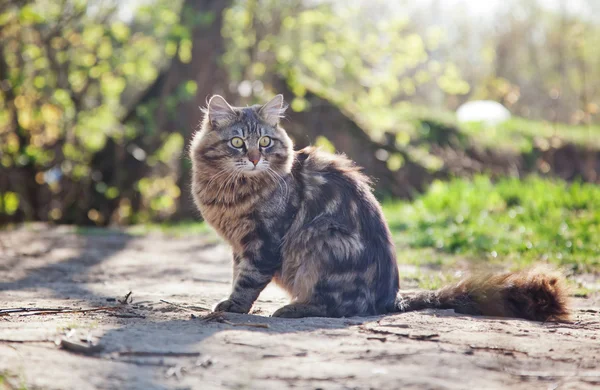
column 308, row 221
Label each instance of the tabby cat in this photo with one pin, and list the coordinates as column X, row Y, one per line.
column 308, row 221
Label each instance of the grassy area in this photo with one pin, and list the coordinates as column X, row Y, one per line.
column 8, row 380
column 417, row 128
column 521, row 135
column 511, row 222
column 419, row 124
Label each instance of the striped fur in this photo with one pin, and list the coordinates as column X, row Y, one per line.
column 306, row 219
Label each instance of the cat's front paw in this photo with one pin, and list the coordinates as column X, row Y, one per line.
column 298, row 310
column 230, row 306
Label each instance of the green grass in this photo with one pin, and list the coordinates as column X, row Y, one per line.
column 8, row 379
column 521, row 135
column 510, row 222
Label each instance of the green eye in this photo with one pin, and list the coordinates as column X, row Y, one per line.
column 264, row 141
column 237, row 142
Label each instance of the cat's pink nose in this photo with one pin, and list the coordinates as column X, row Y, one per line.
column 254, row 156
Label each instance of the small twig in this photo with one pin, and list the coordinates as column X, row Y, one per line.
column 271, row 356
column 125, row 299
column 220, row 317
column 70, row 311
column 244, row 344
column 27, row 309
column 126, row 315
column 498, row 349
column 420, row 337
column 19, row 341
column 214, row 316
column 539, row 374
column 143, row 363
column 86, row 349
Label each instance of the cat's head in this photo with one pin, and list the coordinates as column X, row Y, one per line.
column 247, row 140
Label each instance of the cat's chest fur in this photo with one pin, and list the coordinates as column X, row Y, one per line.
column 231, row 222
column 238, row 223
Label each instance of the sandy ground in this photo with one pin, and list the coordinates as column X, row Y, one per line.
column 150, row 344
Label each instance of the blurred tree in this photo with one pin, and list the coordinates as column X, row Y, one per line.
column 65, row 71
column 347, row 53
column 536, row 60
column 96, row 107
column 343, row 69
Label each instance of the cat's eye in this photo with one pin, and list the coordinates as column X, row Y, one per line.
column 237, row 142
column 264, row 141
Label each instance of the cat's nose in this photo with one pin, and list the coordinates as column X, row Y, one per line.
column 254, row 156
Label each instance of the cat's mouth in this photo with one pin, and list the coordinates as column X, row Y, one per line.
column 247, row 167
column 254, row 170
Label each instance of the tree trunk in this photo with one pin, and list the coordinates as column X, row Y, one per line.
column 210, row 78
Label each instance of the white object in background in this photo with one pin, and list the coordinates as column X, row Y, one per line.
column 486, row 111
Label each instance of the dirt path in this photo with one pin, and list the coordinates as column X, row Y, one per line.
column 149, row 344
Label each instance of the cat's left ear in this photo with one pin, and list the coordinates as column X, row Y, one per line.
column 273, row 111
column 219, row 112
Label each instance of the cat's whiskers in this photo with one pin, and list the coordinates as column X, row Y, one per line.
column 268, row 172
column 223, row 186
column 279, row 178
column 216, row 176
column 229, row 187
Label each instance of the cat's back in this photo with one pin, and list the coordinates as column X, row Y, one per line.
column 339, row 236
column 332, row 186
column 318, row 170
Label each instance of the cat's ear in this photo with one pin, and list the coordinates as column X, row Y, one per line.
column 219, row 112
column 273, row 111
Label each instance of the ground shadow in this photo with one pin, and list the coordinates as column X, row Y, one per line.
column 152, row 331
column 65, row 278
column 149, row 352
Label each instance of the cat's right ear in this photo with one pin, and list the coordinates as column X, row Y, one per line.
column 219, row 112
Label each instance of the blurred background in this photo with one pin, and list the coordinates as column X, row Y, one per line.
column 99, row 98
column 480, row 121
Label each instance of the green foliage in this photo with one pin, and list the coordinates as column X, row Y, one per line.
column 324, row 144
column 12, row 381
column 71, row 71
column 512, row 221
column 521, row 135
column 359, row 61
column 9, row 203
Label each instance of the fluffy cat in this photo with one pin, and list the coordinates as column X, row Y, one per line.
column 308, row 221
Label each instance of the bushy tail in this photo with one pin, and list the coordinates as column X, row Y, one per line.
column 538, row 294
